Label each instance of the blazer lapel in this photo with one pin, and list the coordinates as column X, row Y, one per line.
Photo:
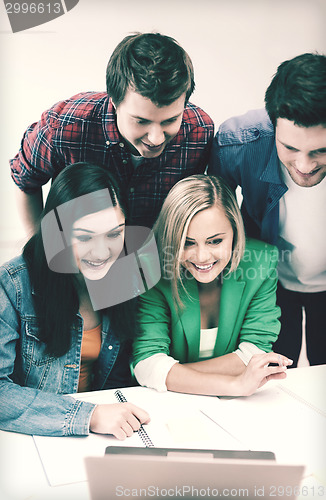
column 232, row 290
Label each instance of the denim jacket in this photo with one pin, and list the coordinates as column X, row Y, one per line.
column 33, row 383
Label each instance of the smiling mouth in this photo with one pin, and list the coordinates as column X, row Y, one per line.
column 308, row 174
column 153, row 148
column 203, row 269
column 98, row 264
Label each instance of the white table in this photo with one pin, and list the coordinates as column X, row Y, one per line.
column 22, row 474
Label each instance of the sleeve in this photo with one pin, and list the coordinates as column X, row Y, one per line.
column 221, row 163
column 25, row 409
column 37, row 161
column 246, row 351
column 153, row 326
column 261, row 325
column 152, row 372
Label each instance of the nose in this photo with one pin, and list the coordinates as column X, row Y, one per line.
column 156, row 135
column 202, row 254
column 305, row 164
column 101, row 249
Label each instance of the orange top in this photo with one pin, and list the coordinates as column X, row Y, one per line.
column 90, row 350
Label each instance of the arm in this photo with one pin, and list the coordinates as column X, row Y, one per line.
column 229, row 364
column 33, row 166
column 30, row 410
column 215, row 377
column 30, row 207
column 182, row 378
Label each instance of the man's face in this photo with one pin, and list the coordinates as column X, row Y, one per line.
column 302, row 150
column 146, row 128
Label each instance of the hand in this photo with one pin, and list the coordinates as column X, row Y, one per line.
column 119, row 419
column 258, row 372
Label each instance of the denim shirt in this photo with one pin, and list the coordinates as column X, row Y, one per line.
column 244, row 154
column 33, row 383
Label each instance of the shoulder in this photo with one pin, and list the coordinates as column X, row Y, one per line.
column 85, row 106
column 14, row 267
column 14, row 276
column 247, row 128
column 195, row 116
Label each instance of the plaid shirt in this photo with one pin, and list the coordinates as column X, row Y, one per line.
column 83, row 128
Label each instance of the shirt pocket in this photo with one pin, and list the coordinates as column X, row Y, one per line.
column 34, row 350
column 39, row 367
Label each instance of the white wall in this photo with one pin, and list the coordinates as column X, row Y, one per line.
column 235, row 45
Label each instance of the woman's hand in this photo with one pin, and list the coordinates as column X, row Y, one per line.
column 258, row 372
column 119, row 419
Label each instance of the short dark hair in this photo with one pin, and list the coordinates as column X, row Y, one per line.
column 153, row 65
column 298, row 91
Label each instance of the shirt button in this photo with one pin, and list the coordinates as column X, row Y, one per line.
column 132, row 190
column 110, row 347
column 125, row 161
column 107, row 143
column 121, row 145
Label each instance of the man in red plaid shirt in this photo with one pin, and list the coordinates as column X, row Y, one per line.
column 143, row 129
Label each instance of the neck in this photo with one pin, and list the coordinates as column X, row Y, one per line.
column 209, row 287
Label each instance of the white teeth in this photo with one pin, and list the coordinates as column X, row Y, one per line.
column 204, row 268
column 95, row 264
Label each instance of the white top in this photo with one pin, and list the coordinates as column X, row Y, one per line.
column 207, row 342
column 302, row 236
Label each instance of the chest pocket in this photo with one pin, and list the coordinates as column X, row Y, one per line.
column 33, row 349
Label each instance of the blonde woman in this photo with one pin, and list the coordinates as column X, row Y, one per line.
column 209, row 325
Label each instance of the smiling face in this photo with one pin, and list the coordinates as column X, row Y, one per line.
column 147, row 128
column 302, row 150
column 208, row 245
column 97, row 241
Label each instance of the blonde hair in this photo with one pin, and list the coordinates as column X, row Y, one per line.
column 188, row 197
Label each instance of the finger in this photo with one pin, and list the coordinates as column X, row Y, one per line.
column 127, row 429
column 273, row 370
column 119, row 434
column 134, row 422
column 277, row 359
column 140, row 414
column 277, row 376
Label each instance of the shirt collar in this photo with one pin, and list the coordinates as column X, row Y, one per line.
column 110, row 128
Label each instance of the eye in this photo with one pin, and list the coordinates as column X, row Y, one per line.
column 318, row 152
column 83, row 239
column 168, row 122
column 189, row 243
column 216, row 241
column 142, row 122
column 114, row 235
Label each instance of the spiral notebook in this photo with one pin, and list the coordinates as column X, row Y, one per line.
column 142, row 433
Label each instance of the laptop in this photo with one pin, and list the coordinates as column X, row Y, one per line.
column 190, row 474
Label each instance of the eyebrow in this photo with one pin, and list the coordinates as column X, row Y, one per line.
column 147, row 120
column 88, row 231
column 209, row 238
column 319, row 150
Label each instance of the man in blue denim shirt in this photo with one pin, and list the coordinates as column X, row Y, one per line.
column 278, row 157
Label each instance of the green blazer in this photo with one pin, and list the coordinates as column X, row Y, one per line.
column 248, row 311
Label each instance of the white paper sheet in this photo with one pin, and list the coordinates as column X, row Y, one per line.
column 63, row 457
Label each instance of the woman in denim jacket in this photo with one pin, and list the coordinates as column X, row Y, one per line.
column 53, row 340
